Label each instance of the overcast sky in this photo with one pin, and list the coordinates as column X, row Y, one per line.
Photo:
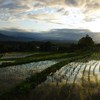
column 44, row 15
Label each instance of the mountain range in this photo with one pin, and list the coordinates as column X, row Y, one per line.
column 57, row 35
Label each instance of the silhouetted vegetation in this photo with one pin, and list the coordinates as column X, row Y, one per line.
column 86, row 42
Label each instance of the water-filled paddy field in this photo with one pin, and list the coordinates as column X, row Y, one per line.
column 55, row 78
column 76, row 72
column 12, row 75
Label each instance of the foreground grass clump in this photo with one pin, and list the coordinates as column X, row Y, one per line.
column 30, row 83
column 61, row 92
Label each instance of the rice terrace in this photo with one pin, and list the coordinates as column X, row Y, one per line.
column 51, row 75
column 49, row 49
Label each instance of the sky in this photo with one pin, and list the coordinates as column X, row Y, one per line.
column 45, row 15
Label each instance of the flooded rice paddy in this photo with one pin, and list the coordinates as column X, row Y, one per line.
column 76, row 72
column 11, row 76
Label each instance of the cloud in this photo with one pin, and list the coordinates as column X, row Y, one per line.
column 71, row 2
column 18, row 7
column 72, row 13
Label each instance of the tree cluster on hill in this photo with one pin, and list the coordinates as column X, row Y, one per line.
column 86, row 42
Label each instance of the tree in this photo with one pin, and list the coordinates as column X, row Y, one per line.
column 86, row 41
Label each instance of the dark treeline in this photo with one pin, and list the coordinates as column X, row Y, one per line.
column 83, row 43
column 13, row 46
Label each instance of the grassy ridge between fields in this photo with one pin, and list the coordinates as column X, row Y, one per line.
column 27, row 55
column 35, row 58
column 23, row 89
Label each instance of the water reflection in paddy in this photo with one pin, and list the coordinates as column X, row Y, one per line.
column 10, row 76
column 76, row 72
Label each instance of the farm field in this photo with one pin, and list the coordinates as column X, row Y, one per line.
column 55, row 75
column 10, row 76
column 49, row 50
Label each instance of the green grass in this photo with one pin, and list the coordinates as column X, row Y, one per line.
column 39, row 57
column 42, row 57
column 33, row 54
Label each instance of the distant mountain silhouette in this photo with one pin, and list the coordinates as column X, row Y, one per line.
column 6, row 38
column 12, row 38
column 56, row 35
column 31, row 37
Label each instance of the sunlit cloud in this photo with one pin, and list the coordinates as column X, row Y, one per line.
column 69, row 13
